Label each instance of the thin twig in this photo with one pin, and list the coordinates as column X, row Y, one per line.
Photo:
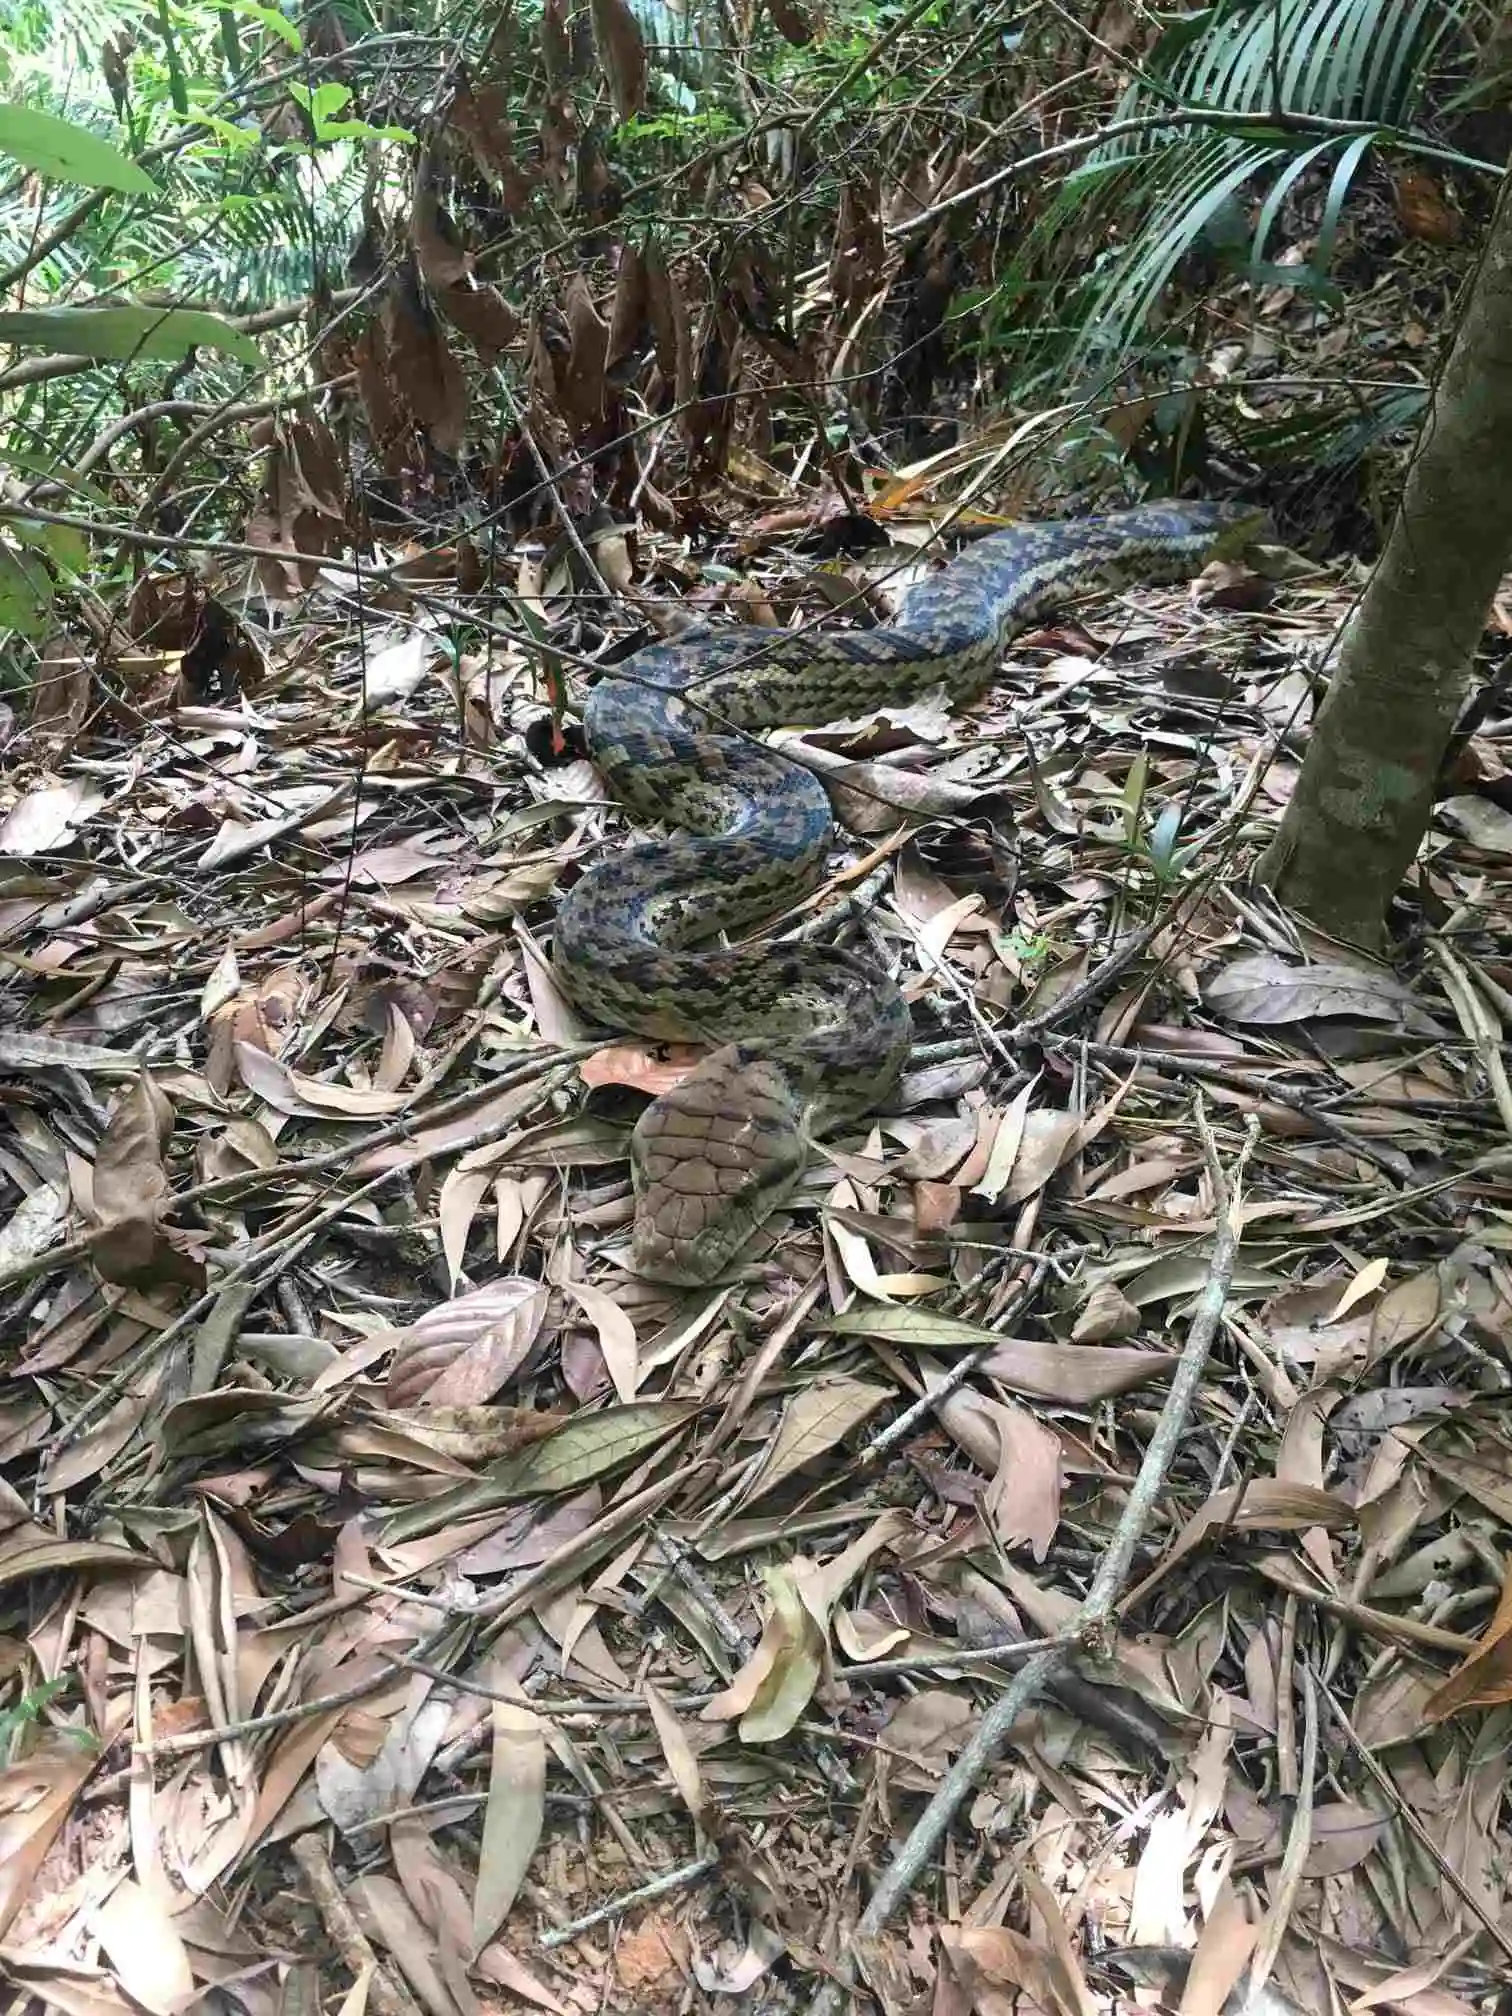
column 551, row 1069
column 257, row 1265
column 284, row 1718
column 1171, row 1064
column 1446, row 1869
column 969, row 1362
column 675, row 1879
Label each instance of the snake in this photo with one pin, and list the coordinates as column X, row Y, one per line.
column 807, row 1038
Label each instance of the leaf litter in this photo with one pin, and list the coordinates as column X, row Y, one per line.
column 388, row 1574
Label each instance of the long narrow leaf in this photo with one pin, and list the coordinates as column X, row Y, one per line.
column 1338, row 189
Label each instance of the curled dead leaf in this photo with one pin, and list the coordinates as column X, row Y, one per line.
column 622, row 51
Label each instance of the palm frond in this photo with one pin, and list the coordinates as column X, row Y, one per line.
column 1156, row 194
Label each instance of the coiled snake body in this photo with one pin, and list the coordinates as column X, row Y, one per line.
column 809, row 1036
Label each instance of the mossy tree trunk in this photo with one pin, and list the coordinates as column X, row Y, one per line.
column 1362, row 803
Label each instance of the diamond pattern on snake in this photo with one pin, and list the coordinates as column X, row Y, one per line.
column 808, row 1038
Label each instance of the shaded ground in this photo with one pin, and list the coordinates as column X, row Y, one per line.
column 387, row 1573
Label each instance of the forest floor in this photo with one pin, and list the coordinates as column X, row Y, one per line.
column 371, row 1506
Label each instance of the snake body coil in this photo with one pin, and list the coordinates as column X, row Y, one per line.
column 809, row 1036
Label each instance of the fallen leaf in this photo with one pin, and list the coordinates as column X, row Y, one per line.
column 513, row 1816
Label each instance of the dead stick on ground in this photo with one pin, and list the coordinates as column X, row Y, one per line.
column 388, row 1998
column 1095, row 1617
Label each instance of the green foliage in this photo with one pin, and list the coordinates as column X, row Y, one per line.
column 28, row 1711
column 325, row 101
column 68, row 153
column 127, row 332
column 266, row 17
column 25, row 593
column 1154, row 843
column 1147, row 200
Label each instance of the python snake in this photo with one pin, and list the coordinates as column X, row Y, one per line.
column 808, row 1036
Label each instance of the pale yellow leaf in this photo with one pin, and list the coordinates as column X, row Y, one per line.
column 1366, row 1282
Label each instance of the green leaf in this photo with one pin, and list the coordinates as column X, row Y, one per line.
column 25, row 594
column 1338, row 189
column 359, row 129
column 66, row 544
column 230, row 45
column 1270, row 209
column 586, row 1447
column 323, row 104
column 269, row 18
column 1163, row 839
column 237, row 138
column 31, row 464
column 127, row 332
column 68, row 153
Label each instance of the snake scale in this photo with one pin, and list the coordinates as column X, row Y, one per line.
column 808, row 1037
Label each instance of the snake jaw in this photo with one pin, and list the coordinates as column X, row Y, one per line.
column 712, row 1159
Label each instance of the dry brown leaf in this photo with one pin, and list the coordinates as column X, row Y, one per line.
column 496, row 1963
column 483, row 315
column 461, row 1194
column 145, row 1949
column 678, row 1751
column 616, row 1336
column 637, row 1066
column 291, row 1092
column 1221, row 1956
column 130, row 1193
column 792, row 22
column 421, row 366
column 928, row 1728
column 1485, row 1679
column 622, row 51
column 776, row 1684
column 1022, row 1500
column 385, row 1914
column 814, row 1420
column 36, row 1797
column 988, row 1957
column 513, row 1817
column 53, row 1557
column 1108, row 1313
column 1422, row 210
column 293, row 1755
column 44, row 820
column 1265, row 990
column 1002, row 1148
column 373, row 1766
column 1067, row 1981
column 1264, row 1505
column 1344, row 1834
column 1049, row 1138
column 462, row 1352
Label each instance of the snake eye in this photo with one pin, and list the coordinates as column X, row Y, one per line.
column 712, row 1159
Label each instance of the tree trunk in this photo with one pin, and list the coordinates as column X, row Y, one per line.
column 1363, row 800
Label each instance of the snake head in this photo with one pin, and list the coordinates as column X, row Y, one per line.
column 711, row 1160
